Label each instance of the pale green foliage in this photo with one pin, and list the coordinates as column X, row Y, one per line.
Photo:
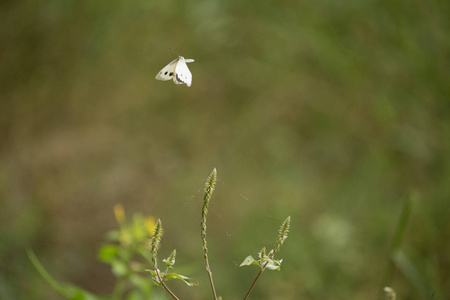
column 133, row 239
column 158, row 278
column 125, row 252
column 170, row 261
column 264, row 261
column 185, row 279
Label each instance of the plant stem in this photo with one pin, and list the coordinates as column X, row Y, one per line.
column 170, row 292
column 165, row 273
column 208, row 269
column 400, row 229
column 209, row 189
column 254, row 281
column 165, row 286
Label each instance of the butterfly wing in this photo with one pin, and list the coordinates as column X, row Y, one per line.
column 168, row 72
column 182, row 73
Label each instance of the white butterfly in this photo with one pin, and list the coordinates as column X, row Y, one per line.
column 177, row 70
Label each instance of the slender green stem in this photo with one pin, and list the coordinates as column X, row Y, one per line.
column 165, row 273
column 257, row 276
column 400, row 229
column 254, row 281
column 208, row 269
column 164, row 285
column 170, row 292
column 209, row 189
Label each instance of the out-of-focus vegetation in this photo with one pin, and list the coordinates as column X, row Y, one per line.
column 126, row 251
column 330, row 112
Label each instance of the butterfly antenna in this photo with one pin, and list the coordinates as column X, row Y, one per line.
column 175, row 52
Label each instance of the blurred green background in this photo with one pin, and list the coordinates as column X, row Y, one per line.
column 330, row 112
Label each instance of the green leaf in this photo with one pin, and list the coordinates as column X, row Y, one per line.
column 187, row 280
column 170, row 261
column 403, row 222
column 150, row 271
column 262, row 253
column 134, row 295
column 248, row 261
column 75, row 293
column 272, row 264
column 143, row 251
column 70, row 292
column 137, row 280
column 113, row 236
column 155, row 278
column 107, row 253
column 119, row 268
column 138, row 229
column 142, row 284
column 156, row 281
column 412, row 273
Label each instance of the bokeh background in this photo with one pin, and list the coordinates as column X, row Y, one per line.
column 332, row 112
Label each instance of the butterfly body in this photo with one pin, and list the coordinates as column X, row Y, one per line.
column 178, row 71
